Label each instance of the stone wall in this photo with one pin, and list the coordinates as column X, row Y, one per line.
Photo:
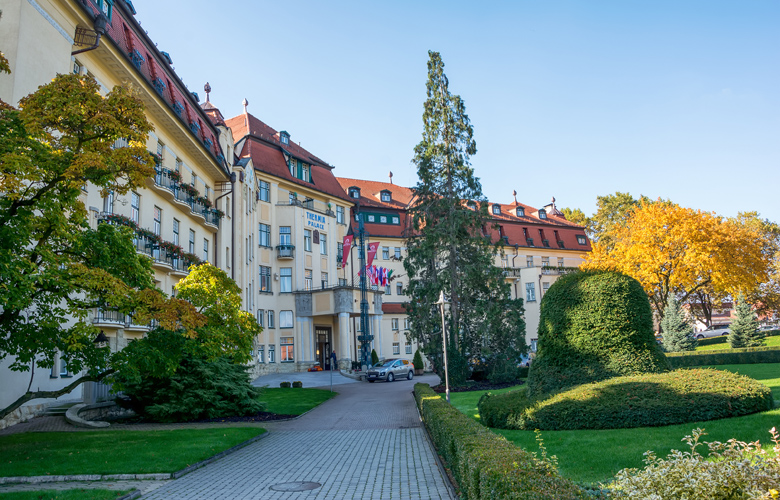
column 22, row 414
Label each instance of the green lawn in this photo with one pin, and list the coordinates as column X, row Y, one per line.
column 293, row 401
column 720, row 346
column 86, row 494
column 596, row 455
column 114, row 452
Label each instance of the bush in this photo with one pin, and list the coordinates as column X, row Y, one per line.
column 199, row 389
column 284, row 385
column 417, row 361
column 740, row 470
column 297, row 384
column 746, row 356
column 724, row 339
column 633, row 401
column 484, row 464
column 593, row 325
column 374, row 357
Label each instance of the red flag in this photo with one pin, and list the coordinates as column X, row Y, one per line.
column 372, row 248
column 347, row 247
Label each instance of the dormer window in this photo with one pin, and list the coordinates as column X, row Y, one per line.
column 520, row 212
column 385, row 196
column 581, row 239
column 542, row 214
column 496, row 209
column 284, row 137
column 472, row 205
column 354, row 192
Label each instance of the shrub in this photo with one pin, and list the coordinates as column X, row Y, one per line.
column 740, row 470
column 374, row 357
column 484, row 464
column 593, row 325
column 284, row 385
column 417, row 361
column 744, row 356
column 199, row 389
column 297, row 384
column 633, row 401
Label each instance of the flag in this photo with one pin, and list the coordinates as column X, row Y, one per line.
column 372, row 248
column 347, row 247
column 386, row 277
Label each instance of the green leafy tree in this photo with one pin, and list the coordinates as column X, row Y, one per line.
column 54, row 268
column 449, row 249
column 743, row 331
column 576, row 216
column 677, row 330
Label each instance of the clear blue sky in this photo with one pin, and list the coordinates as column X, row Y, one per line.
column 670, row 99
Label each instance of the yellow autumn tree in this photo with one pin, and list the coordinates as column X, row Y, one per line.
column 671, row 249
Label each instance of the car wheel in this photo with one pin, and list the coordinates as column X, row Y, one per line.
column 699, row 337
column 390, row 377
column 370, row 381
column 725, row 334
column 410, row 376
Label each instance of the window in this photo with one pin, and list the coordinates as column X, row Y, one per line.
column 529, row 261
column 272, row 354
column 108, row 203
column 285, row 286
column 260, row 316
column 408, row 347
column 496, row 209
column 545, row 287
column 323, row 244
column 178, row 165
column 135, row 206
column 77, row 68
column 307, row 240
column 340, row 215
column 520, row 212
column 106, row 6
column 192, row 241
column 387, row 289
column 286, row 346
column 530, row 292
column 399, row 289
column 285, row 319
column 261, row 354
column 271, row 318
column 354, row 192
column 284, row 235
column 157, row 221
column 371, row 218
column 160, row 149
column 63, row 367
column 293, row 198
column 505, row 261
column 175, row 232
column 324, row 280
column 265, row 279
column 205, row 250
column 396, row 348
column 284, row 137
column 264, row 239
column 396, row 220
column 581, row 240
column 397, row 253
column 340, row 251
column 394, row 324
column 542, row 213
column 386, row 253
column 265, row 191
column 406, row 323
column 342, row 281
column 386, row 197
column 560, row 261
column 307, row 279
column 545, row 262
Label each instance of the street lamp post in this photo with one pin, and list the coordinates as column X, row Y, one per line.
column 441, row 304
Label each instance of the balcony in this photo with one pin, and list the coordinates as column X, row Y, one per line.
column 110, row 318
column 186, row 195
column 558, row 271
column 285, row 252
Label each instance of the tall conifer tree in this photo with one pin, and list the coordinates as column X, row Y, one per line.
column 677, row 330
column 450, row 247
column 744, row 329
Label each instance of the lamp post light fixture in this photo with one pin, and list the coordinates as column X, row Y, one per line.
column 441, row 303
column 101, row 340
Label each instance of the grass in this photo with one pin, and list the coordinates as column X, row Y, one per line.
column 293, row 401
column 114, row 452
column 83, row 494
column 592, row 456
column 722, row 346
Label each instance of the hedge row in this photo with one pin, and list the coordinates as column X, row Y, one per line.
column 484, row 464
column 633, row 401
column 723, row 339
column 743, row 356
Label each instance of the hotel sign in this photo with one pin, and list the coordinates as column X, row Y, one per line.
column 316, row 221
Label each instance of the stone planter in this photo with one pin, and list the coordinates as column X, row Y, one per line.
column 419, row 371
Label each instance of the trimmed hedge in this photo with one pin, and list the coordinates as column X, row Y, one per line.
column 633, row 401
column 744, row 356
column 486, row 465
column 593, row 325
column 724, row 339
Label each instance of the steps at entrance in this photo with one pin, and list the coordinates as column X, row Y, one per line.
column 60, row 409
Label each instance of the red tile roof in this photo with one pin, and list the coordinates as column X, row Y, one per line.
column 370, row 193
column 268, row 155
column 393, row 308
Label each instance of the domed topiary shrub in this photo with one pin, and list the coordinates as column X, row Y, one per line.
column 593, row 325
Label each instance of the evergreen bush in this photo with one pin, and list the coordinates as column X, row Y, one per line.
column 374, row 357
column 652, row 399
column 747, row 355
column 297, row 384
column 417, row 361
column 593, row 325
column 199, row 389
column 743, row 331
column 284, row 385
column 677, row 330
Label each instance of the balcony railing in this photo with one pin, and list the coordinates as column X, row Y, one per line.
column 285, row 251
column 184, row 193
column 551, row 270
column 112, row 317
